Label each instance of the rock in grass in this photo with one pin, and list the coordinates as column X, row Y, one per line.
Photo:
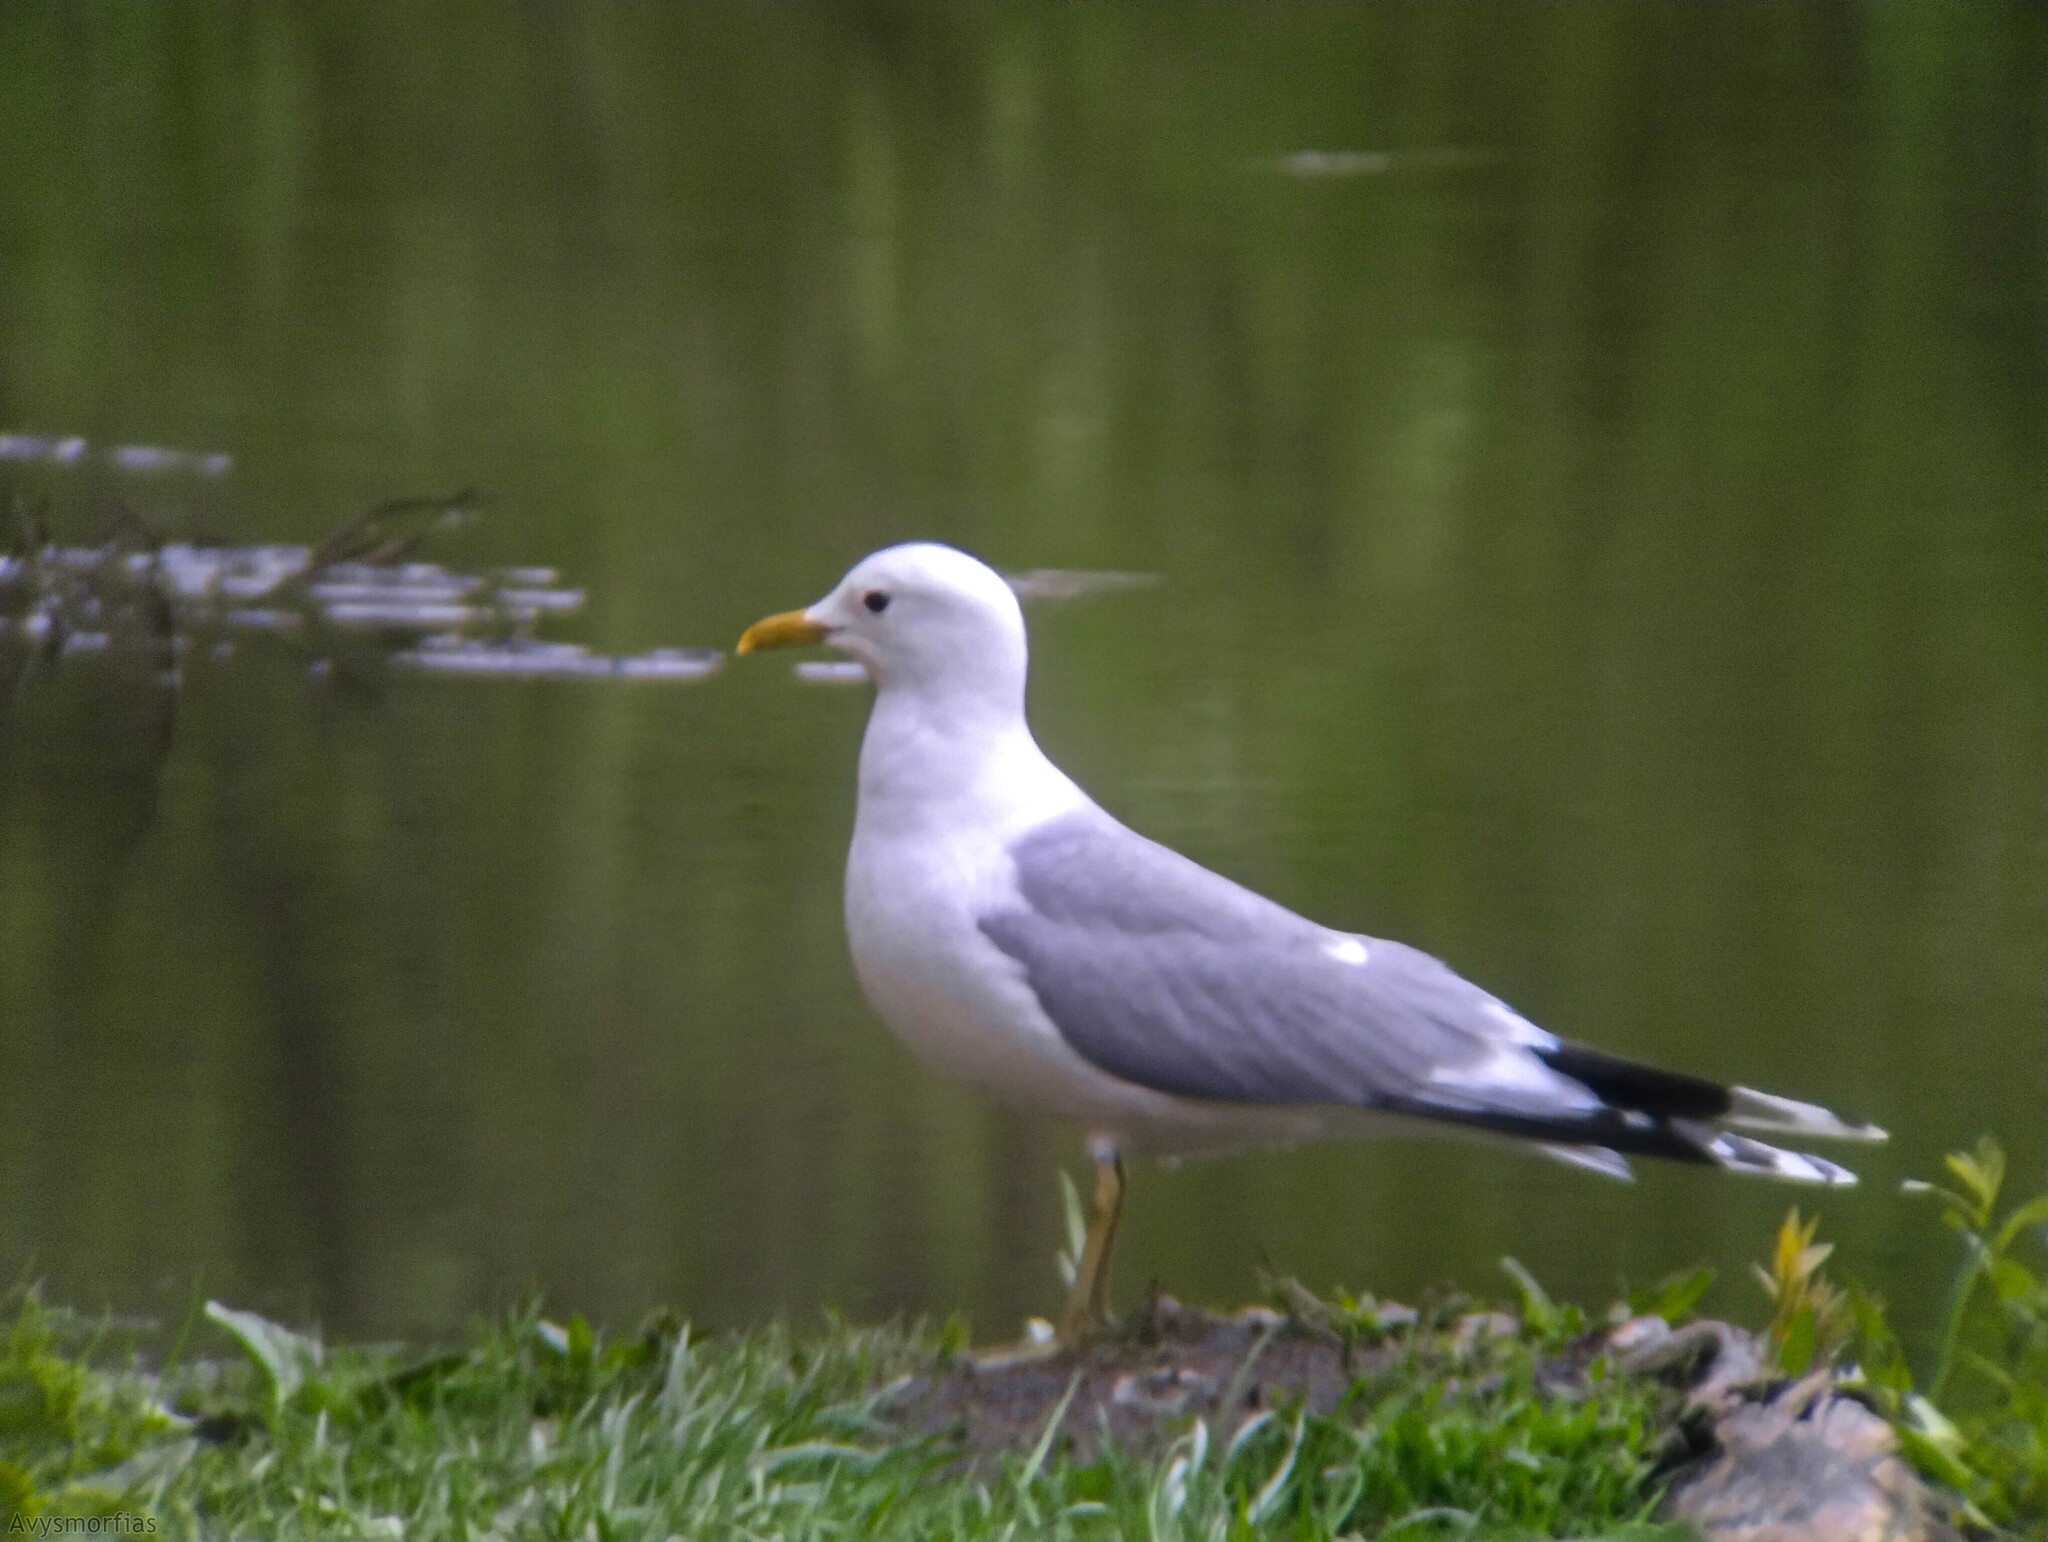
column 1808, row 1465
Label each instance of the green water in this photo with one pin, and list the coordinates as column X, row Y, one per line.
column 1604, row 542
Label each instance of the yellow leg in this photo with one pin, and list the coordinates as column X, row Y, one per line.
column 1088, row 1302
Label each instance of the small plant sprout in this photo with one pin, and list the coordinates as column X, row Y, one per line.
column 1074, row 1222
column 1811, row 1320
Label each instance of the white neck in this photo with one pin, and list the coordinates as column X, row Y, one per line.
column 942, row 758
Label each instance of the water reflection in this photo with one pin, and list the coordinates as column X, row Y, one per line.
column 57, row 602
column 528, row 660
column 830, row 671
column 71, row 450
column 1074, row 583
column 1613, row 564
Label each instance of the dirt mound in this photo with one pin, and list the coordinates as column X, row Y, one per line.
column 1752, row 1457
column 1137, row 1384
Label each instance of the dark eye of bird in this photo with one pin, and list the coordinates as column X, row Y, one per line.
column 875, row 601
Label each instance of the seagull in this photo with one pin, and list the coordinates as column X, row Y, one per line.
column 1018, row 937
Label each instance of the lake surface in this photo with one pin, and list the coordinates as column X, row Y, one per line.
column 1595, row 460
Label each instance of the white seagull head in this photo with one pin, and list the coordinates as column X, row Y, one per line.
column 922, row 617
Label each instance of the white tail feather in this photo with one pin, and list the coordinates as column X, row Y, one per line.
column 1740, row 1154
column 1753, row 1110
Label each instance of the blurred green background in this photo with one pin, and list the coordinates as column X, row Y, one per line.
column 1601, row 497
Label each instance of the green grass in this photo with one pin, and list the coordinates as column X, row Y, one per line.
column 530, row 1429
column 533, row 1429
column 1977, row 1420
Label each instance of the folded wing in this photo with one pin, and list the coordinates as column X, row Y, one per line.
column 1169, row 976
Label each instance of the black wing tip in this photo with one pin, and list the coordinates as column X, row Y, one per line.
column 1637, row 1088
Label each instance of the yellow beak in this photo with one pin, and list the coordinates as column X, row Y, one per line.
column 791, row 629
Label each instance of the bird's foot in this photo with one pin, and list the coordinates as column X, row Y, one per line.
column 1087, row 1305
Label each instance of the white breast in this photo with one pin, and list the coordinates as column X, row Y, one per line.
column 938, row 813
column 944, row 988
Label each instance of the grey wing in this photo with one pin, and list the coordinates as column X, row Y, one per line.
column 1167, row 975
